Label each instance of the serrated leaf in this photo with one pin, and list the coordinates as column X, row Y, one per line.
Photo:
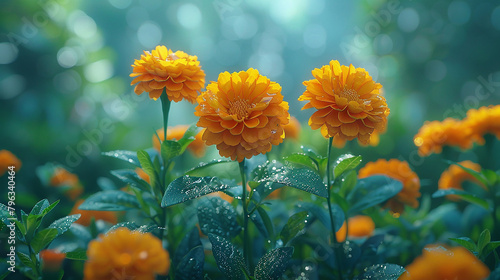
column 128, row 156
column 110, row 201
column 273, row 264
column 465, row 242
column 229, row 260
column 191, row 265
column 169, row 150
column 43, row 238
column 344, row 163
column 295, row 224
column 469, row 197
column 186, row 188
column 371, row 191
column 63, row 224
column 217, row 216
column 130, row 177
column 303, row 160
column 484, row 239
column 78, row 255
column 382, row 271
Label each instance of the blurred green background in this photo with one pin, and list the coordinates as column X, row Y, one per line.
column 65, row 93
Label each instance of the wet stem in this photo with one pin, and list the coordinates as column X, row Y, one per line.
column 246, row 252
column 37, row 263
column 336, row 244
column 165, row 106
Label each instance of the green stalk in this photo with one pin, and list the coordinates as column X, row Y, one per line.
column 165, row 106
column 336, row 245
column 246, row 252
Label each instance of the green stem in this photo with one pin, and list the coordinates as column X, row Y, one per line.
column 165, row 106
column 336, row 245
column 37, row 263
column 246, row 252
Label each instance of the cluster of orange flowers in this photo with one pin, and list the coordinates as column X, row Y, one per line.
column 8, row 159
column 432, row 136
column 67, row 182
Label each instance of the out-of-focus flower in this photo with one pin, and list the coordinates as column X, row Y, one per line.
column 8, row 159
column 276, row 194
column 197, row 147
column 178, row 73
column 432, row 136
column 483, row 120
column 243, row 113
column 454, row 176
column 438, row 263
column 292, row 129
column 359, row 226
column 87, row 215
column 52, row 259
column 125, row 254
column 349, row 103
column 398, row 170
column 67, row 181
column 143, row 175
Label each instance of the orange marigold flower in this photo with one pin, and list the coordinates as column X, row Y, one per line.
column 292, row 129
column 52, row 259
column 432, row 136
column 8, row 159
column 483, row 120
column 69, row 181
column 437, row 263
column 87, row 215
column 243, row 113
column 454, row 176
column 398, row 170
column 178, row 73
column 359, row 226
column 349, row 103
column 125, row 254
column 197, row 147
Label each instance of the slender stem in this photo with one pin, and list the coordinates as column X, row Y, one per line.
column 336, row 245
column 165, row 106
column 246, row 252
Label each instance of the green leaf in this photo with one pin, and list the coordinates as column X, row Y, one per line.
column 128, row 156
column 191, row 266
column 39, row 207
column 273, row 264
column 490, row 176
column 130, row 177
column 466, row 242
column 32, row 224
column 490, row 247
column 268, row 224
column 371, row 191
column 170, row 149
column 128, row 225
column 43, row 238
column 189, row 242
column 322, row 214
column 484, row 239
column 296, row 223
column 217, row 216
column 78, row 255
column 207, row 168
column 229, row 260
column 110, row 201
column 148, row 167
column 478, row 175
column 344, row 163
column 382, row 271
column 188, row 137
column 26, row 260
column 303, row 160
column 186, row 188
column 63, row 224
column 469, row 197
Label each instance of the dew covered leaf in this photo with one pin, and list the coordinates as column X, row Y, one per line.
column 371, row 191
column 128, row 156
column 467, row 196
column 303, row 160
column 273, row 264
column 382, row 271
column 187, row 187
column 128, row 225
column 217, row 216
column 63, row 224
column 39, row 207
column 130, row 177
column 321, row 214
column 466, row 242
column 112, row 200
column 229, row 260
column 344, row 163
column 208, row 168
column 294, row 226
column 191, row 266
column 190, row 241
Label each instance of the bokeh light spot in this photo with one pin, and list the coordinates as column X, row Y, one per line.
column 408, row 20
column 98, row 71
column 11, row 86
column 8, row 53
column 435, row 70
column 120, row 4
column 149, row 34
column 245, row 26
column 189, row 16
column 82, row 25
column 67, row 57
column 459, row 12
column 495, row 18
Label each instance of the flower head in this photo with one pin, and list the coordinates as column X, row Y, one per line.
column 88, row 215
column 359, row 226
column 8, row 159
column 125, row 254
column 243, row 114
column 455, row 176
column 197, row 147
column 398, row 170
column 432, row 136
column 437, row 263
column 292, row 129
column 178, row 73
column 52, row 259
column 349, row 103
column 483, row 120
column 66, row 181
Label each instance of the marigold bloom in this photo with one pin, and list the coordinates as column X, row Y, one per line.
column 69, row 181
column 432, row 136
column 359, row 226
column 483, row 120
column 398, row 170
column 243, row 113
column 178, row 73
column 52, row 259
column 87, row 215
column 8, row 159
column 125, row 254
column 292, row 129
column 454, row 176
column 349, row 103
column 197, row 147
column 437, row 263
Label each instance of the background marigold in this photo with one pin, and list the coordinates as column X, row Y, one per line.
column 8, row 159
column 243, row 114
column 52, row 259
column 483, row 120
column 348, row 102
column 69, row 182
column 197, row 147
column 178, row 73
column 432, row 136
column 437, row 263
column 401, row 171
column 292, row 129
column 125, row 254
column 359, row 226
column 454, row 176
column 88, row 215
